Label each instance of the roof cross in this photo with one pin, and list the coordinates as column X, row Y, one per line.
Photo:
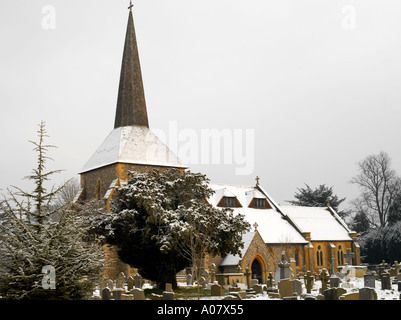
column 130, row 5
column 257, row 180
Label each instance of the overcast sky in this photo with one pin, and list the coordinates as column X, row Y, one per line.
column 317, row 82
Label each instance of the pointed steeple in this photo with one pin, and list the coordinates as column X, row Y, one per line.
column 131, row 105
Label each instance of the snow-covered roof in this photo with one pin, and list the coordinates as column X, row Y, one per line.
column 233, row 260
column 272, row 225
column 134, row 145
column 319, row 221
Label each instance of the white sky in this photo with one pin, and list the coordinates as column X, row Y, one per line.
column 319, row 97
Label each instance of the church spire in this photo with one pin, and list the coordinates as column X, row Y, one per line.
column 131, row 105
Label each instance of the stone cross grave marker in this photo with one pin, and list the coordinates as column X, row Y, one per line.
column 248, row 277
column 397, row 268
column 349, row 256
column 308, row 279
column 324, row 277
column 120, row 282
column 284, row 267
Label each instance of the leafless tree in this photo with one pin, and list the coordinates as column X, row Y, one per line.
column 379, row 185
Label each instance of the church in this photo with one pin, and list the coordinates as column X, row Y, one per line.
column 310, row 238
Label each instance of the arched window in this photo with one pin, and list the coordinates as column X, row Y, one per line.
column 340, row 256
column 319, row 256
column 296, row 256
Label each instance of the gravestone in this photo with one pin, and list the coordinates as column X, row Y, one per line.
column 350, row 296
column 106, row 294
column 139, row 294
column 120, row 282
column 349, row 256
column 334, row 281
column 324, row 278
column 285, row 288
column 258, row 288
column 130, row 283
column 137, row 281
column 169, row 287
column 284, row 267
column 369, row 280
column 367, row 294
column 213, row 273
column 127, row 296
column 216, row 290
column 333, row 293
column 399, row 286
column 296, row 286
column 168, row 295
column 270, row 283
column 308, row 280
column 385, row 281
column 189, row 280
column 254, row 281
column 110, row 284
column 117, row 292
column 248, row 278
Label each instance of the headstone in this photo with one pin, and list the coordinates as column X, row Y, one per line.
column 296, row 286
column 349, row 256
column 367, row 294
column 284, row 267
column 168, row 287
column 254, row 281
column 308, row 280
column 324, row 277
column 399, row 286
column 285, row 288
column 127, row 296
column 248, row 277
column 333, row 293
column 396, row 268
column 290, row 298
column 270, row 283
column 334, row 281
column 369, row 280
column 137, row 281
column 106, row 294
column 258, row 288
column 139, row 294
column 189, row 279
column 117, row 292
column 120, row 282
column 155, row 296
column 385, row 280
column 168, row 295
column 110, row 284
column 350, row 296
column 130, row 283
column 216, row 290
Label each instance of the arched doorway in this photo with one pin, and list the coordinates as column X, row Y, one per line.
column 257, row 270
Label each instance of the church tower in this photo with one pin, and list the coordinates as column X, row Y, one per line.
column 131, row 145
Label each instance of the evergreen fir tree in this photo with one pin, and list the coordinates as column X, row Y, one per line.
column 161, row 224
column 31, row 242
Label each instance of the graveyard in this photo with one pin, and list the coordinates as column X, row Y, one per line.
column 369, row 282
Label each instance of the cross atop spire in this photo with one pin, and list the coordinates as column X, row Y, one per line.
column 130, row 5
column 131, row 105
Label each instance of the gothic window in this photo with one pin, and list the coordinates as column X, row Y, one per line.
column 296, row 256
column 229, row 201
column 340, row 256
column 259, row 203
column 319, row 256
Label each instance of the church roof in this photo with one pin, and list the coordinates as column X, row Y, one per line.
column 133, row 145
column 272, row 225
column 233, row 260
column 323, row 223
